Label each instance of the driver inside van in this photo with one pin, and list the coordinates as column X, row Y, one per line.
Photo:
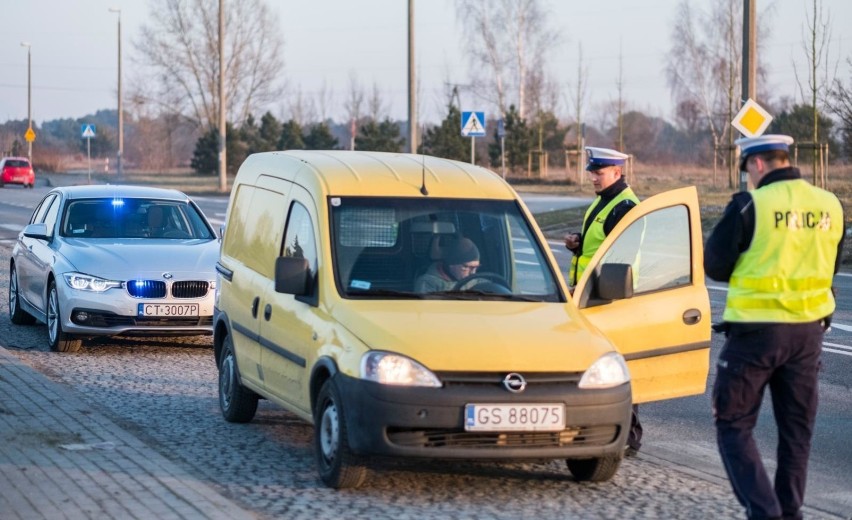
column 459, row 260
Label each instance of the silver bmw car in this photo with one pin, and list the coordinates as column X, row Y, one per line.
column 114, row 260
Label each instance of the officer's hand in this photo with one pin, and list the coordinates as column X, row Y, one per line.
column 572, row 241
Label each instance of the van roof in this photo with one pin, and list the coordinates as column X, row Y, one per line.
column 361, row 173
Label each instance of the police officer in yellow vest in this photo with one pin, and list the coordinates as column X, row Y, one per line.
column 614, row 199
column 778, row 248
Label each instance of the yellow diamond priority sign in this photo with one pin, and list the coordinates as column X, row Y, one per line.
column 752, row 119
column 29, row 135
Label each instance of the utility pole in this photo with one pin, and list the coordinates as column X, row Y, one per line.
column 223, row 176
column 29, row 99
column 749, row 61
column 119, row 167
column 412, row 105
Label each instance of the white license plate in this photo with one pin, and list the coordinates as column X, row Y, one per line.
column 177, row 310
column 514, row 417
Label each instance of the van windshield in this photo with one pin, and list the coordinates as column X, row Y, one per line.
column 432, row 248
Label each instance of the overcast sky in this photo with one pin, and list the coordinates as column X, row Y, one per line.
column 74, row 50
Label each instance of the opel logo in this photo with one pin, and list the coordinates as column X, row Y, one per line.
column 514, row 383
column 167, row 276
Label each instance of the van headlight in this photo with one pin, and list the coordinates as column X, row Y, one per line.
column 388, row 368
column 608, row 371
column 85, row 282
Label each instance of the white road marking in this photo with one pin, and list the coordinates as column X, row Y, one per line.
column 844, row 349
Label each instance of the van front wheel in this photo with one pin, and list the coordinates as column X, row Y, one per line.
column 238, row 403
column 599, row 469
column 338, row 467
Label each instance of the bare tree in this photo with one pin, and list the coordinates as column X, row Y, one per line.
column 577, row 103
column 816, row 40
column 353, row 106
column 704, row 62
column 376, row 108
column 179, row 49
column 510, row 40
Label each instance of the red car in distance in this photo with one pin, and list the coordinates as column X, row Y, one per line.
column 16, row 170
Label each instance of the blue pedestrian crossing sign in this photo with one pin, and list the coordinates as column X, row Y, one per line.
column 473, row 124
column 88, row 131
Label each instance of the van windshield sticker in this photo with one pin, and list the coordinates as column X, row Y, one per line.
column 360, row 284
column 335, row 201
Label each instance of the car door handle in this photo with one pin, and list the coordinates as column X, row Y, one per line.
column 692, row 316
column 254, row 304
column 267, row 312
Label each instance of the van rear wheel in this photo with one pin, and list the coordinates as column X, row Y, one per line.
column 338, row 467
column 599, row 469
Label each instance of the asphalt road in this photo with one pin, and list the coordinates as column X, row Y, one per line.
column 677, row 432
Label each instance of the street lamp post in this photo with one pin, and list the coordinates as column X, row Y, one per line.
column 29, row 98
column 119, row 168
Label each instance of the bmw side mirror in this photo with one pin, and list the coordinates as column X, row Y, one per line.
column 38, row 231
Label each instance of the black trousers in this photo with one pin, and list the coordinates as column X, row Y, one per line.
column 785, row 357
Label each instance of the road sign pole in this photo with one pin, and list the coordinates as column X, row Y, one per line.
column 89, row 154
column 472, row 142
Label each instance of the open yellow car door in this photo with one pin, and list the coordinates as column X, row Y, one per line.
column 659, row 318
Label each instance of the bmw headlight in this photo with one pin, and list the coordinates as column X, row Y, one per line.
column 85, row 282
column 388, row 368
column 608, row 371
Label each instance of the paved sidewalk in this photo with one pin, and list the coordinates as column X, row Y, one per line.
column 59, row 459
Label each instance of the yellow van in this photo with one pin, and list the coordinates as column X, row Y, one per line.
column 322, row 308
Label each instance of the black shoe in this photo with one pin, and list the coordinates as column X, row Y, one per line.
column 630, row 451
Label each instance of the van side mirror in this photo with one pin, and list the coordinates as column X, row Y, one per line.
column 38, row 231
column 292, row 276
column 615, row 282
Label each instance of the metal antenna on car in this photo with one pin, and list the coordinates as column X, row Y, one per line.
column 423, row 189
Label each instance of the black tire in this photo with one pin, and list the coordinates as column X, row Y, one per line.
column 238, row 403
column 58, row 340
column 17, row 315
column 599, row 469
column 338, row 467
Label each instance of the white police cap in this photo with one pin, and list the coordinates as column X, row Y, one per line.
column 602, row 157
column 764, row 143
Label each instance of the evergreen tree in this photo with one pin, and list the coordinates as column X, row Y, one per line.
column 205, row 157
column 552, row 138
column 320, row 138
column 518, row 138
column 445, row 140
column 270, row 132
column 249, row 134
column 291, row 136
column 379, row 137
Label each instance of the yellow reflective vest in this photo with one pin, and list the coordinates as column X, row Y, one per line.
column 785, row 275
column 593, row 234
